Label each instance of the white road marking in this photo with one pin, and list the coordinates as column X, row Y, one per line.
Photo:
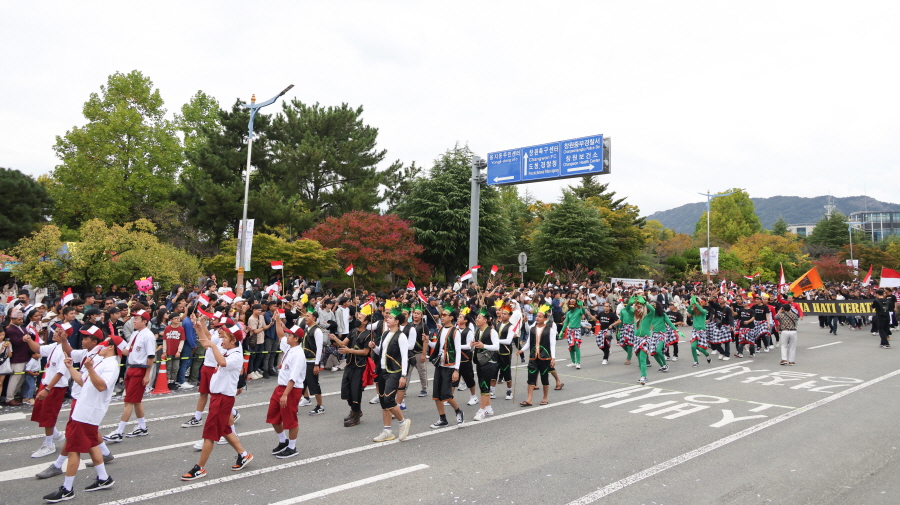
column 12, row 417
column 653, row 470
column 603, row 396
column 824, row 345
column 350, row 485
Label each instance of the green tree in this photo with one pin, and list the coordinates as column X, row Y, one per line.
column 574, row 233
column 126, row 155
column 833, row 232
column 299, row 257
column 780, row 228
column 398, row 181
column 732, row 217
column 517, row 212
column 438, row 208
column 23, row 204
column 590, row 187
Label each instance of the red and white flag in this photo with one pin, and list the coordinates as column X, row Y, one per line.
column 273, row 289
column 422, row 296
column 67, row 296
column 466, row 276
column 494, row 270
column 751, row 277
column 410, row 286
column 349, row 269
column 476, row 267
column 228, row 296
column 277, row 265
column 781, row 280
column 203, row 300
column 549, row 271
column 722, row 287
column 868, row 277
column 889, row 278
column 281, row 314
column 205, row 313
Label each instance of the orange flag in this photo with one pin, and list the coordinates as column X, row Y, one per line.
column 807, row 281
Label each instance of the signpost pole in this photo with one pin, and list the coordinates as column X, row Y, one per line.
column 474, row 216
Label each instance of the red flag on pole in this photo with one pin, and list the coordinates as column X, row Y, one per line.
column 466, row 276
column 67, row 296
column 494, row 270
column 277, row 265
column 422, row 296
column 349, row 269
column 410, row 286
column 868, row 277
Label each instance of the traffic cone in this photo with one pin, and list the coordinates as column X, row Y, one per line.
column 162, row 380
column 246, row 362
column 597, row 328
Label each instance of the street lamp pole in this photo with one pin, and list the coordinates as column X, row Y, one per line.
column 254, row 108
column 709, row 196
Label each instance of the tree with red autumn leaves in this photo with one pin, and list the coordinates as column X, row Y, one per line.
column 376, row 245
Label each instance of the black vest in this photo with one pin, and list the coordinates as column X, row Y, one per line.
column 359, row 339
column 394, row 361
column 539, row 348
column 486, row 338
column 309, row 342
column 502, row 331
column 466, row 355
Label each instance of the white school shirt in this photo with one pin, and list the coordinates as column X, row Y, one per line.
column 55, row 365
column 80, row 356
column 293, row 367
column 224, row 379
column 142, row 346
column 209, row 359
column 92, row 404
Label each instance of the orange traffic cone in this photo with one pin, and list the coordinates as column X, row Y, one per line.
column 162, row 380
column 597, row 328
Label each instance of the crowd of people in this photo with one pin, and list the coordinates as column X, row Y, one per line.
column 215, row 337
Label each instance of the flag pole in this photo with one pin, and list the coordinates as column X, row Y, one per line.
column 282, row 278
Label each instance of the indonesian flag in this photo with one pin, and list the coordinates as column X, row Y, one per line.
column 868, row 277
column 273, row 289
column 422, row 296
column 410, row 286
column 277, row 265
column 9, row 299
column 751, row 277
column 466, row 276
column 722, row 287
column 281, row 314
column 889, row 278
column 228, row 296
column 67, row 296
column 203, row 300
column 781, row 280
column 205, row 313
column 494, row 270
column 476, row 267
column 349, row 269
column 549, row 272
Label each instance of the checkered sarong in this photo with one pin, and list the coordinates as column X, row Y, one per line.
column 720, row 334
column 655, row 339
column 573, row 337
column 699, row 336
column 604, row 337
column 671, row 336
column 760, row 329
column 626, row 336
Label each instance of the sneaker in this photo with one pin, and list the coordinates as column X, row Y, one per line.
column 241, row 462
column 674, row 358
column 422, row 394
column 334, row 369
column 237, row 415
column 193, row 422
column 726, row 358
column 642, row 381
column 106, row 459
column 696, row 364
column 493, row 395
column 373, row 401
column 439, row 424
column 61, row 494
column 446, row 403
column 287, row 453
column 783, row 362
column 739, row 355
column 462, row 386
column 664, row 368
column 50, row 471
column 385, row 436
column 489, row 411
column 403, row 405
column 222, row 441
column 404, row 429
column 137, row 432
column 101, row 484
column 708, row 360
column 473, row 400
column 187, row 385
column 509, row 394
column 791, row 363
column 45, row 450
column 605, row 362
column 714, row 352
column 199, row 445
column 571, row 364
column 720, row 356
column 194, row 474
column 305, row 401
column 318, row 410
column 577, row 366
column 59, row 437
column 280, row 447
column 459, row 417
column 479, row 416
column 766, row 349
column 752, row 355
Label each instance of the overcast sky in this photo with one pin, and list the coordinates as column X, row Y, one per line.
column 777, row 97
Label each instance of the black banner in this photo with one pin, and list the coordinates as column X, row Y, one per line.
column 836, row 307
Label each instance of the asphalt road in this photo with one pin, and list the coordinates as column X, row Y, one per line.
column 731, row 432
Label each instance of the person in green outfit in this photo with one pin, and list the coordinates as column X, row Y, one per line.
column 661, row 326
column 571, row 330
column 698, row 334
column 626, row 334
column 644, row 317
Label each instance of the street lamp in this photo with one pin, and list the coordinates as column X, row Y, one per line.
column 709, row 196
column 254, row 108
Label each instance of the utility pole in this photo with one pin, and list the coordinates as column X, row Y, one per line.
column 477, row 180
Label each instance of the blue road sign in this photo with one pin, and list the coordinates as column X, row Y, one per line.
column 555, row 160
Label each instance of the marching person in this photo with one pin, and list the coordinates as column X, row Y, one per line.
column 223, row 387
column 699, row 340
column 419, row 324
column 446, row 357
column 571, row 330
column 49, row 399
column 466, row 368
column 608, row 322
column 312, row 344
column 788, row 320
column 485, row 343
column 393, row 357
column 542, row 342
column 504, row 355
column 141, row 353
column 207, row 369
column 285, row 400
column 356, row 349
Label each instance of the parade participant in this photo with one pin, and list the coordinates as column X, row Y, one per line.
column 356, row 349
column 672, row 334
column 542, row 342
column 744, row 325
column 698, row 331
column 141, row 353
column 762, row 319
column 392, row 355
column 285, row 400
column 312, row 344
column 223, row 387
column 640, row 310
column 882, row 318
column 571, row 331
column 485, row 344
column 97, row 379
column 788, row 319
column 412, row 337
column 626, row 334
column 661, row 326
column 49, row 399
column 207, row 369
column 446, row 357
column 720, row 332
column 504, row 355
column 419, row 324
column 466, row 368
column 608, row 323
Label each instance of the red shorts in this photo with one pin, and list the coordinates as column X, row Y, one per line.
column 134, row 384
column 80, row 437
column 216, row 425
column 46, row 411
column 72, row 408
column 206, row 373
column 286, row 417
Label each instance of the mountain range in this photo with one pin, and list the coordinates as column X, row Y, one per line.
column 794, row 210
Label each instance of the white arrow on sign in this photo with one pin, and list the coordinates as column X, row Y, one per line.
column 526, row 164
column 507, row 178
column 579, row 169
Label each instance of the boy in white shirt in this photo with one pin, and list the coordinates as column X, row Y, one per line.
column 32, row 372
column 49, row 399
column 141, row 352
column 285, row 401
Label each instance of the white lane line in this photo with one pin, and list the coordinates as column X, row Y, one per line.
column 29, row 471
column 350, row 485
column 12, row 417
column 653, row 470
column 606, row 394
column 824, row 345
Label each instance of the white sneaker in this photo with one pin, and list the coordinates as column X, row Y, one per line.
column 766, row 349
column 305, row 401
column 446, row 403
column 493, row 395
column 334, row 369
column 473, row 400
column 726, row 358
column 720, row 356
column 577, row 366
column 222, row 441
column 384, row 437
column 489, row 411
column 373, row 401
column 404, row 429
column 187, row 385
column 509, row 394
column 199, row 445
column 462, row 386
column 45, row 450
column 571, row 364
column 674, row 358
column 714, row 352
column 479, row 416
column 605, row 362
column 59, row 437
